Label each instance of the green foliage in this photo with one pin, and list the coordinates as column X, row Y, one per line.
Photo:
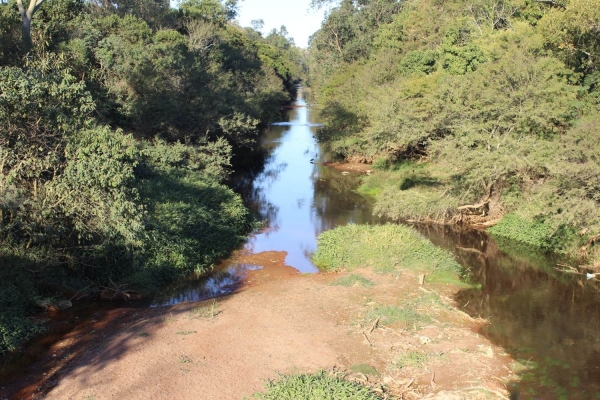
column 537, row 233
column 499, row 97
column 192, row 222
column 405, row 315
column 319, row 386
column 118, row 131
column 18, row 290
column 385, row 248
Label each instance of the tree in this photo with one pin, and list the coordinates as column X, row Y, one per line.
column 257, row 24
column 27, row 15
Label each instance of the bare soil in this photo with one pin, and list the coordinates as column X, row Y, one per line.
column 280, row 321
column 350, row 167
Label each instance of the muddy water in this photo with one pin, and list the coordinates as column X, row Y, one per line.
column 547, row 320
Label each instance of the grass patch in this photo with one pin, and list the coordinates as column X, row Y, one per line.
column 406, row 315
column 386, row 248
column 415, row 359
column 184, row 359
column 210, row 311
column 533, row 233
column 352, row 280
column 319, row 386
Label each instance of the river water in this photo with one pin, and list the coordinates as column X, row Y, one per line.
column 547, row 320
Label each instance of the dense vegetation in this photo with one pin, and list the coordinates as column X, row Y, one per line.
column 119, row 121
column 472, row 111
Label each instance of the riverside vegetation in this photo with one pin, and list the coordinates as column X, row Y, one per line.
column 475, row 111
column 119, row 122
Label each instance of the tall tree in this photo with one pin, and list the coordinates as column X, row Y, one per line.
column 27, row 15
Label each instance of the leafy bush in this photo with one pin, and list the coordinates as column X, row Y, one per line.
column 18, row 291
column 192, row 222
column 536, row 233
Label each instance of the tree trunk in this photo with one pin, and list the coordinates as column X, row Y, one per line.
column 26, row 34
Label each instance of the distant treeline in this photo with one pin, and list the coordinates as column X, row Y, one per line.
column 474, row 111
column 118, row 121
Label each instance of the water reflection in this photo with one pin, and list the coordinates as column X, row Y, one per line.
column 547, row 320
column 295, row 194
column 225, row 280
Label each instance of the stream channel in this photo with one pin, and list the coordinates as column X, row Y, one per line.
column 546, row 320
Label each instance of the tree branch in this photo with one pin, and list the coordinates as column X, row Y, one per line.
column 20, row 7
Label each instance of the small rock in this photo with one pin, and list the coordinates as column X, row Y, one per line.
column 45, row 304
column 424, row 339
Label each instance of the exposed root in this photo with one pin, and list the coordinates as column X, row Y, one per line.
column 118, row 292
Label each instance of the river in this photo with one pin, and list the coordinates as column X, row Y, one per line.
column 548, row 321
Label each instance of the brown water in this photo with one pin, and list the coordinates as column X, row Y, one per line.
column 547, row 320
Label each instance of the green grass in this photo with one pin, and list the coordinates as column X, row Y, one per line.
column 386, row 248
column 209, row 311
column 406, row 315
column 415, row 359
column 352, row 280
column 319, row 386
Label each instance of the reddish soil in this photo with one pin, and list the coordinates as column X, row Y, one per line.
column 280, row 321
column 350, row 167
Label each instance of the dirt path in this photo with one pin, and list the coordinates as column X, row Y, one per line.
column 284, row 322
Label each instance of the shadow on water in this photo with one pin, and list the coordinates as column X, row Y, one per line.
column 226, row 279
column 547, row 320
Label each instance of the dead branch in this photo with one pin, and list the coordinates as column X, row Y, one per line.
column 474, row 206
column 590, row 242
column 374, row 325
column 470, row 250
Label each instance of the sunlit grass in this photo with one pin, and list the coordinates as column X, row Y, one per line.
column 319, row 386
column 385, row 248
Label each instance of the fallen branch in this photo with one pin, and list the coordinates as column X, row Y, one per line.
column 87, row 287
column 470, row 250
column 370, row 344
column 590, row 242
column 374, row 325
column 474, row 206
